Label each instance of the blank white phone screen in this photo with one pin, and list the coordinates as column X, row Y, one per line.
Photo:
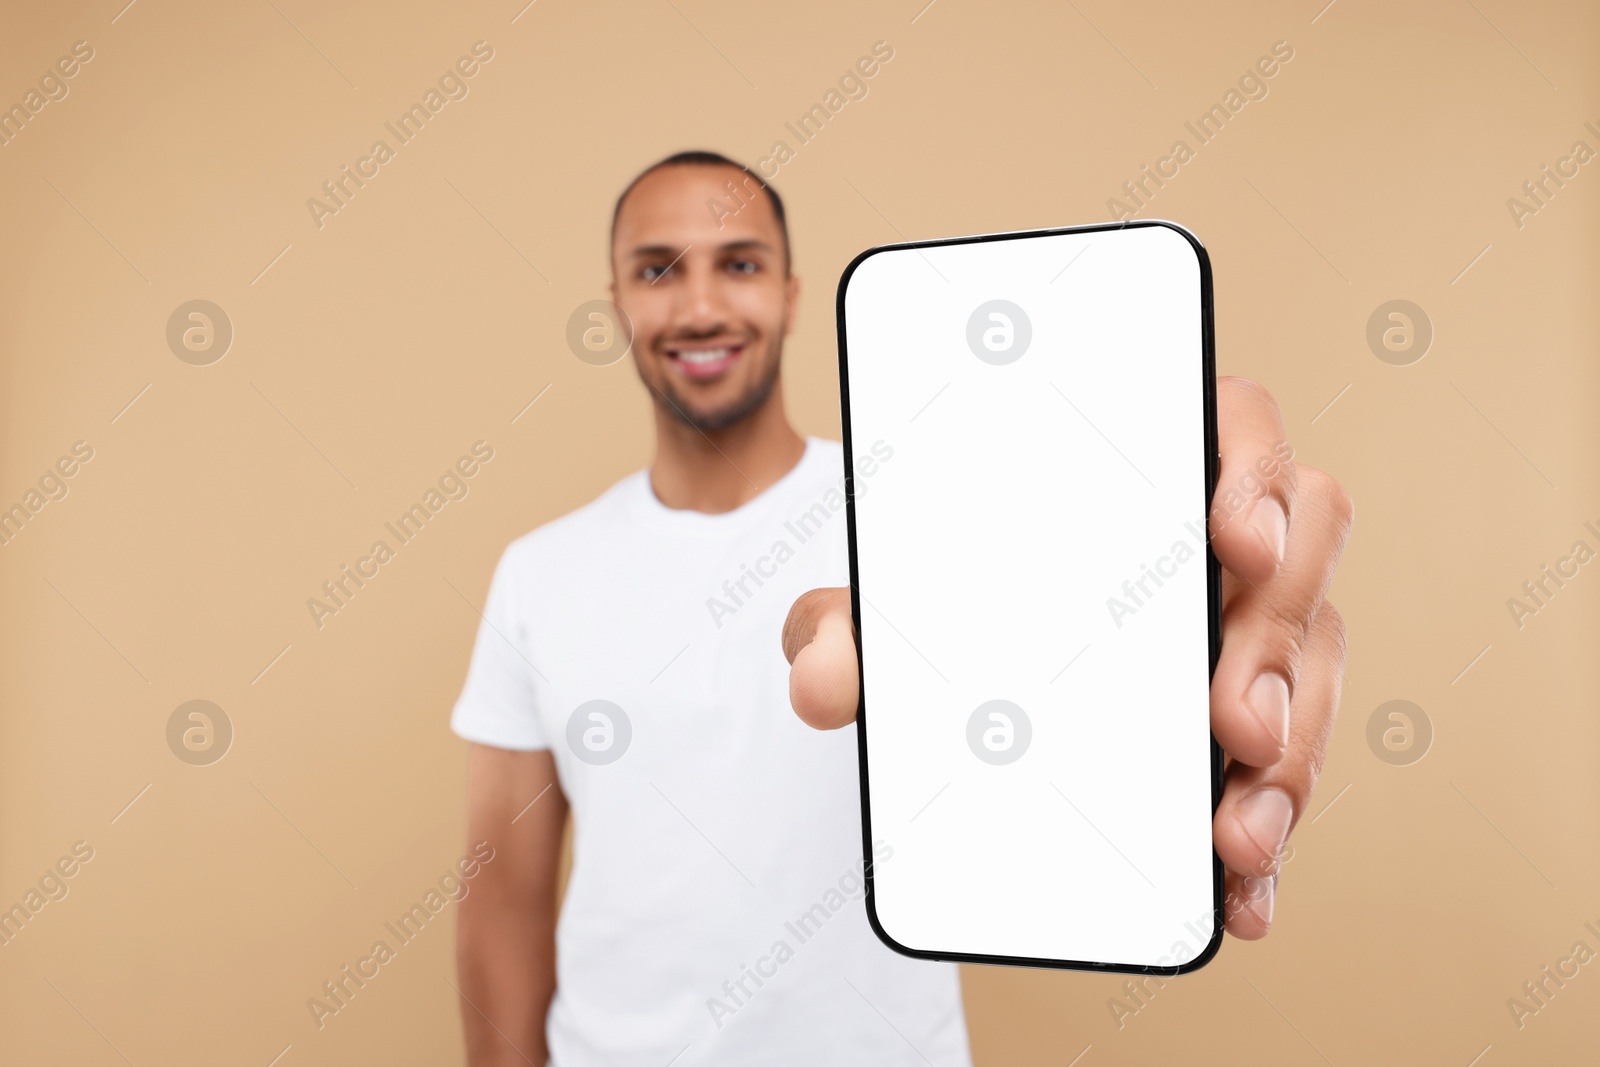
column 1027, row 425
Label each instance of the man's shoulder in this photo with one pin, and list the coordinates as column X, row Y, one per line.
column 832, row 452
column 824, row 460
column 583, row 529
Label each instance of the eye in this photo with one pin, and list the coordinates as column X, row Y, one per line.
column 744, row 266
column 654, row 271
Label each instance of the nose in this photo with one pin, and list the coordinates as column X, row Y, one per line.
column 699, row 307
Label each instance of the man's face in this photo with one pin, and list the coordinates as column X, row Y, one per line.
column 709, row 305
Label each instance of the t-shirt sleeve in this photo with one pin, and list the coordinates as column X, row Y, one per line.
column 498, row 705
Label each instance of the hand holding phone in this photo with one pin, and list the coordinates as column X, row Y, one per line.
column 1278, row 626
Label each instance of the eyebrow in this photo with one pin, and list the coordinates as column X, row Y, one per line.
column 669, row 250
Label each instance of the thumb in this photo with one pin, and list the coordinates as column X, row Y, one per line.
column 819, row 642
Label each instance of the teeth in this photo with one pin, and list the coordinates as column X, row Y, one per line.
column 705, row 355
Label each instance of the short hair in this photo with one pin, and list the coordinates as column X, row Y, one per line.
column 703, row 158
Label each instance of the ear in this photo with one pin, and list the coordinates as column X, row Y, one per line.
column 791, row 302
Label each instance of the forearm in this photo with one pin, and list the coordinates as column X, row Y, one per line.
column 505, row 961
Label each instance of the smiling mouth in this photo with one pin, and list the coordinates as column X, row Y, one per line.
column 704, row 362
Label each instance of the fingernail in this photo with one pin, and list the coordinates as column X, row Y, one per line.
column 1268, row 700
column 1264, row 815
column 1271, row 525
column 1260, row 892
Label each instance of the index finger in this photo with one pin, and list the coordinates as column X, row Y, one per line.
column 1254, row 497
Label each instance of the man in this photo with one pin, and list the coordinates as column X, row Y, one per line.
column 628, row 667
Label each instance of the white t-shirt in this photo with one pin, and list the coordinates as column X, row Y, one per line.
column 714, row 912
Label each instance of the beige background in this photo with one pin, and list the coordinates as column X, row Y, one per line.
column 430, row 311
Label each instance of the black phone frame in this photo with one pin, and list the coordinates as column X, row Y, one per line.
column 1213, row 594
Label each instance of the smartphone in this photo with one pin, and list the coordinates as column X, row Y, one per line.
column 1029, row 425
